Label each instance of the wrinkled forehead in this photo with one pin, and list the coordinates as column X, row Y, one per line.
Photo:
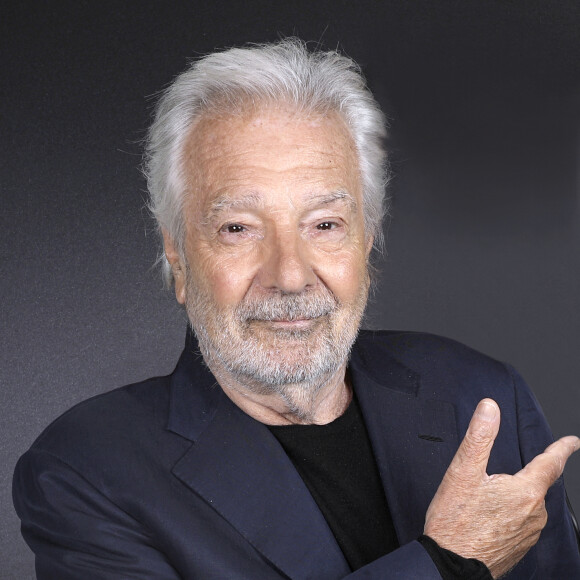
column 276, row 142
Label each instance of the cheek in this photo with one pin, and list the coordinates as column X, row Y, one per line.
column 225, row 278
column 345, row 275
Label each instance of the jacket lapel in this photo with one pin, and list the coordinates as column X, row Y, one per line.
column 414, row 438
column 241, row 470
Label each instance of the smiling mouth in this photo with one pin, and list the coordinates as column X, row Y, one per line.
column 294, row 323
column 288, row 324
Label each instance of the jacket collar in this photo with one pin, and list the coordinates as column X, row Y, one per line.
column 238, row 467
column 195, row 394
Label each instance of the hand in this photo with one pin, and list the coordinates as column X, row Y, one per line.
column 494, row 518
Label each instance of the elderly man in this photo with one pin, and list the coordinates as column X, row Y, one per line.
column 294, row 446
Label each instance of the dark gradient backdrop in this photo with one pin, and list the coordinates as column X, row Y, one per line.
column 483, row 246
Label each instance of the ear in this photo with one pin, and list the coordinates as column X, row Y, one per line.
column 177, row 267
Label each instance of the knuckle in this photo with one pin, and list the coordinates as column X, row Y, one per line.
column 558, row 464
column 549, row 467
column 551, row 470
column 475, row 444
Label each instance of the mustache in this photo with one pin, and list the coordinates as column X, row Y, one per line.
column 287, row 306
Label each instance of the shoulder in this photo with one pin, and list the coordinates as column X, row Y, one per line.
column 442, row 368
column 106, row 430
column 425, row 353
column 136, row 403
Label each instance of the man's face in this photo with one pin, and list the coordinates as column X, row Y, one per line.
column 275, row 280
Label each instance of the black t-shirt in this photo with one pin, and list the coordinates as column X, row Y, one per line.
column 337, row 464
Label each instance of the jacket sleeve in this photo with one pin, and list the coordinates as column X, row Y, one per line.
column 100, row 541
column 557, row 549
column 408, row 561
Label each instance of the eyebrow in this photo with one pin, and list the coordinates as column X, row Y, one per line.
column 226, row 202
column 338, row 195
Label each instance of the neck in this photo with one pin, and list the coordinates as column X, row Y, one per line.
column 318, row 403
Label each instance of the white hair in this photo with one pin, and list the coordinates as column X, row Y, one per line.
column 282, row 72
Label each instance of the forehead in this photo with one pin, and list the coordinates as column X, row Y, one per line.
column 264, row 151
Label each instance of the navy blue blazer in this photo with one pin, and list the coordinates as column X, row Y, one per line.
column 168, row 479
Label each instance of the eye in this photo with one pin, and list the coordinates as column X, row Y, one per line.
column 234, row 233
column 233, row 229
column 326, row 226
column 327, row 232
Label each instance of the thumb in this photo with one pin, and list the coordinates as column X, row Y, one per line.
column 470, row 461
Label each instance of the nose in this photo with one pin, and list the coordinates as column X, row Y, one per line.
column 286, row 266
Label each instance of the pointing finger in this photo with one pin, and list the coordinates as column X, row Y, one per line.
column 547, row 467
column 473, row 454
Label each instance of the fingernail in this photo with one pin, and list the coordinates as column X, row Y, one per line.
column 486, row 411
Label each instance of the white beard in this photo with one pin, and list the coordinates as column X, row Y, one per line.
column 294, row 364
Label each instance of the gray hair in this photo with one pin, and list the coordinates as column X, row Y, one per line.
column 287, row 72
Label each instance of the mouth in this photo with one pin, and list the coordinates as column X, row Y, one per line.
column 289, row 324
column 298, row 323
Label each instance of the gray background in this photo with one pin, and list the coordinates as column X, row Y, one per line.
column 483, row 246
